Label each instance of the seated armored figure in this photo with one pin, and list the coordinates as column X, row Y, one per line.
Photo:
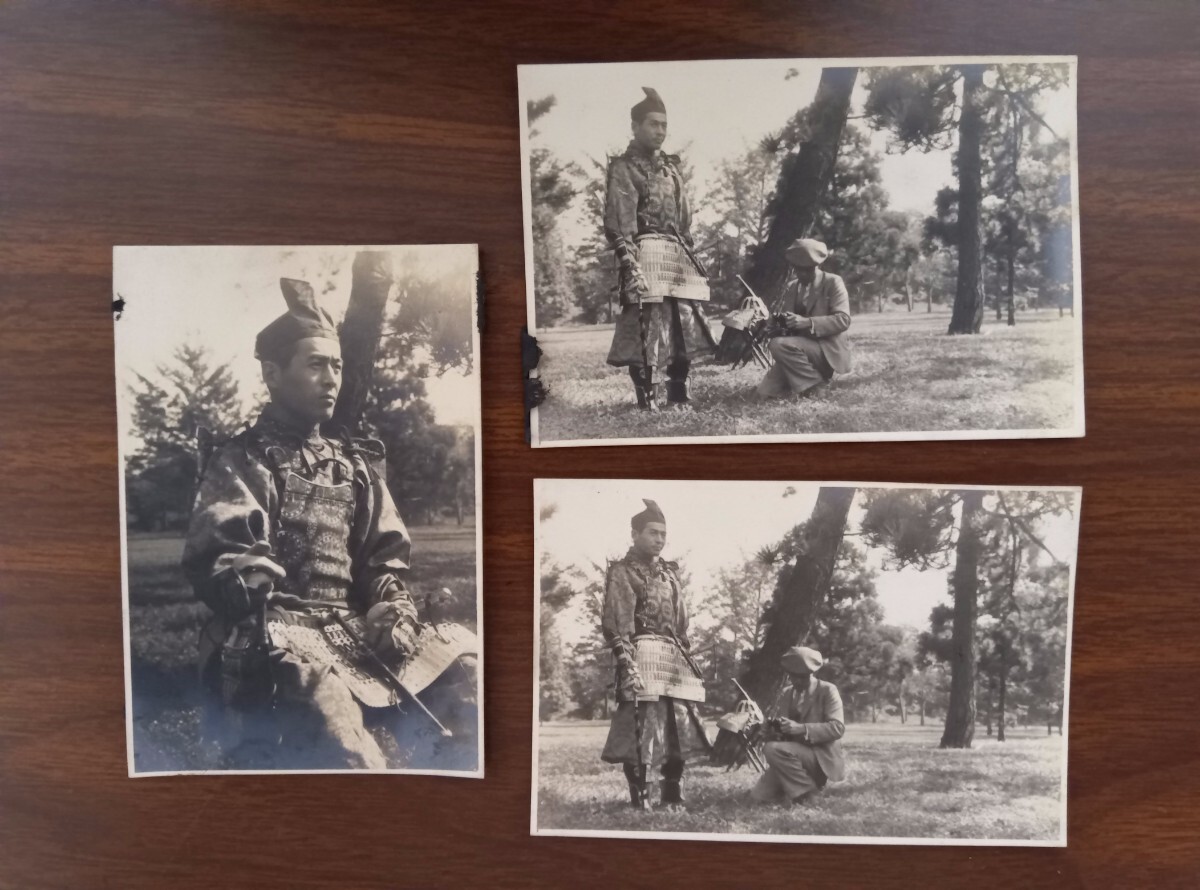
column 286, row 517
column 805, row 752
column 810, row 342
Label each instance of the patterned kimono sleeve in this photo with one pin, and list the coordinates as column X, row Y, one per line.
column 685, row 211
column 620, row 208
column 617, row 619
column 381, row 549
column 681, row 613
column 231, row 514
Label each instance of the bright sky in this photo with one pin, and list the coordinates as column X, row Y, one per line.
column 712, row 525
column 717, row 110
column 221, row 297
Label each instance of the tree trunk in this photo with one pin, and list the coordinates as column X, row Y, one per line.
column 1003, row 694
column 960, row 714
column 903, row 709
column 1012, row 274
column 803, row 181
column 874, row 713
column 795, row 605
column 922, row 701
column 908, row 288
column 362, row 329
column 999, row 308
column 967, row 317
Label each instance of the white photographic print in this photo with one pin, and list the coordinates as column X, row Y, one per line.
column 812, row 662
column 300, row 493
column 803, row 249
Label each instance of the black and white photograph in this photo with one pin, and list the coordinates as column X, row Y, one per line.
column 822, row 662
column 300, row 486
column 803, row 250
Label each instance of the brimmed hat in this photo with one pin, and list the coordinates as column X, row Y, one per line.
column 801, row 658
column 807, row 252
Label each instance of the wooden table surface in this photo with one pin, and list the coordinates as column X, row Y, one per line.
column 289, row 122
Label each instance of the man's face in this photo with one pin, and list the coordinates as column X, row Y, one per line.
column 806, row 274
column 799, row 678
column 308, row 385
column 651, row 132
column 651, row 540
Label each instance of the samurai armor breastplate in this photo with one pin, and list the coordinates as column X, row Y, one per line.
column 312, row 539
column 655, row 611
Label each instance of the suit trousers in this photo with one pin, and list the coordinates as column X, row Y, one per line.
column 792, row 770
column 799, row 365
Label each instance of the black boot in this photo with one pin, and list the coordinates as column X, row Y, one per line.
column 672, row 773
column 649, row 393
column 639, row 794
column 671, row 793
column 678, row 392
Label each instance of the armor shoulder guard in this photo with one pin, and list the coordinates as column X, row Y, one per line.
column 372, row 451
column 209, row 445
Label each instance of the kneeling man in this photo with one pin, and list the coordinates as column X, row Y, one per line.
column 809, row 754
column 814, row 316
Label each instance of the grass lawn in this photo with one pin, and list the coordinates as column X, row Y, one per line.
column 908, row 376
column 165, row 621
column 898, row 784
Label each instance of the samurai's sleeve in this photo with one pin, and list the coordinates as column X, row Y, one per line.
column 620, row 209
column 231, row 514
column 381, row 549
column 685, row 211
column 681, row 612
column 620, row 599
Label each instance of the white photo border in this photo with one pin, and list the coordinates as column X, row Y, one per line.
column 540, row 490
column 122, row 406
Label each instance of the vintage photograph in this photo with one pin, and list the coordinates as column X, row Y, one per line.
column 300, row 488
column 803, row 250
column 802, row 662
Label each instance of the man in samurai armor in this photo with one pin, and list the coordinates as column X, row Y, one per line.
column 286, row 516
column 647, row 220
column 809, row 343
column 643, row 601
column 804, row 751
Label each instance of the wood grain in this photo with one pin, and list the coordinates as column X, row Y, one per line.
column 294, row 122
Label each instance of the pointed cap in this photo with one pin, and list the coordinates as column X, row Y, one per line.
column 651, row 104
column 303, row 319
column 652, row 513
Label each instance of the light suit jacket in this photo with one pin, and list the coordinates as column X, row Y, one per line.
column 821, row 713
column 827, row 303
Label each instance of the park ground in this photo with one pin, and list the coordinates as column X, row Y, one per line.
column 908, row 376
column 898, row 784
column 165, row 621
